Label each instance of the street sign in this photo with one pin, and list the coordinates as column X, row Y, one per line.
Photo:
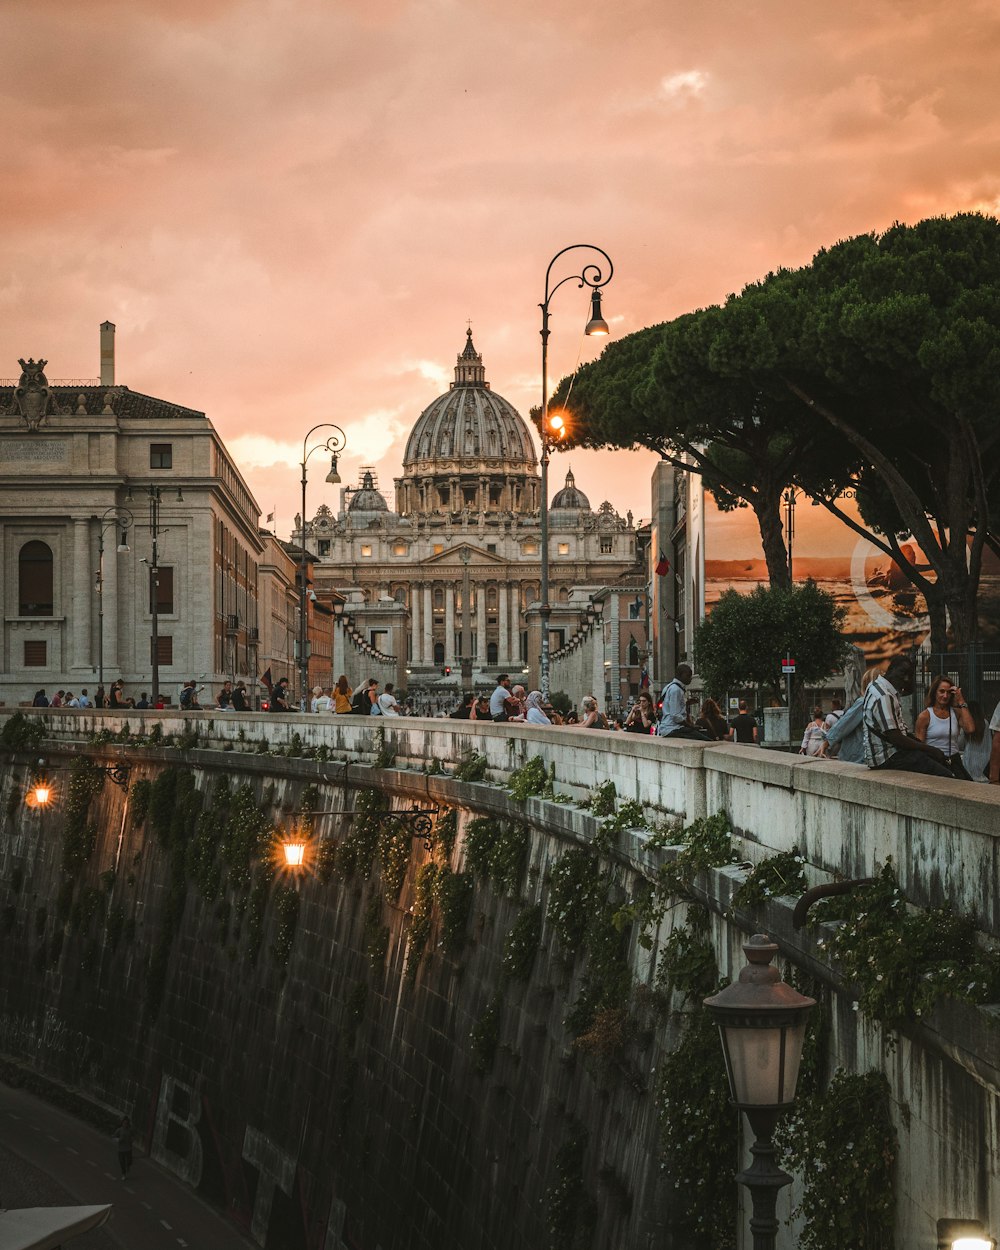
column 788, row 665
column 734, row 704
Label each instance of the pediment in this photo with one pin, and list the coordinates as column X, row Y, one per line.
column 478, row 558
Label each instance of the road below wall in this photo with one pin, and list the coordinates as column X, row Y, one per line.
column 48, row 1158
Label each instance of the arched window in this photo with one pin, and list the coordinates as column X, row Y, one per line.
column 633, row 653
column 439, row 653
column 491, row 654
column 34, row 579
column 400, row 595
column 439, row 596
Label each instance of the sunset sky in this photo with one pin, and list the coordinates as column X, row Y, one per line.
column 292, row 208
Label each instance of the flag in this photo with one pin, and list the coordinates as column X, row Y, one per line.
column 662, row 566
column 266, row 679
column 270, row 518
column 644, row 680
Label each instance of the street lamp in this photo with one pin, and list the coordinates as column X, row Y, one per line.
column 121, row 519
column 963, row 1235
column 762, row 1024
column 465, row 660
column 553, row 428
column 334, row 445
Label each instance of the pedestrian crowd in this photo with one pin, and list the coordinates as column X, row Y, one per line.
column 951, row 736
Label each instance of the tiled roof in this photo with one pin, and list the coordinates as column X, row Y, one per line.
column 125, row 403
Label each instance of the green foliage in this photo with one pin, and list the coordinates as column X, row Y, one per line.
column 533, row 778
column 356, row 855
column 140, row 796
column 570, row 1216
column 497, row 851
column 902, row 960
column 577, row 888
column 435, row 768
column 561, row 702
column 687, row 959
column 485, row 1037
column 453, row 896
column 471, row 767
column 376, row 934
column 394, row 845
column 777, row 875
column 255, row 911
column 699, row 1138
column 843, row 1145
column 445, row 832
column 521, row 945
column 420, row 919
column 385, row 757
column 286, row 906
column 742, row 640
column 79, row 836
column 22, row 733
column 602, row 799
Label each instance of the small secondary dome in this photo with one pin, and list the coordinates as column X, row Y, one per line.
column 570, row 496
column 368, row 498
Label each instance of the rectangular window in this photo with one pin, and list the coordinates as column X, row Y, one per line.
column 34, row 654
column 529, row 549
column 165, row 590
column 164, row 649
column 491, row 547
column 607, row 544
column 366, row 549
column 324, row 546
column 161, row 455
column 438, row 548
column 564, row 549
column 399, row 549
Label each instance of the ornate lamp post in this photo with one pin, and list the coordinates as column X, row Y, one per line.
column 554, row 428
column 334, row 445
column 121, row 519
column 762, row 1024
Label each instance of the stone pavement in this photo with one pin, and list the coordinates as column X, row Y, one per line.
column 48, row 1158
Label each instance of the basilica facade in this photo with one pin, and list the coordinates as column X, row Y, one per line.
column 447, row 581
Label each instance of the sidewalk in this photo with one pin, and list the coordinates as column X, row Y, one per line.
column 47, row 1158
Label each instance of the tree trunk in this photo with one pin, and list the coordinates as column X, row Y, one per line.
column 767, row 509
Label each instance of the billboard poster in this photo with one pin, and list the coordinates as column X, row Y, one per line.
column 886, row 614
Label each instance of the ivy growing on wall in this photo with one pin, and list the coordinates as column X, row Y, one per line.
column 79, row 835
column 780, row 874
column 453, row 896
column 497, row 851
column 571, row 1213
column 843, row 1144
column 521, row 945
column 485, row 1038
column 420, row 919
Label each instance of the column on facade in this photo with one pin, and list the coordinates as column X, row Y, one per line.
column 428, row 624
column 515, row 625
column 416, row 636
column 449, row 624
column 503, row 628
column 82, row 582
column 109, row 595
column 481, row 623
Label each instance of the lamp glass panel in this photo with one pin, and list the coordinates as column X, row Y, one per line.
column 755, row 1059
column 973, row 1243
column 294, row 854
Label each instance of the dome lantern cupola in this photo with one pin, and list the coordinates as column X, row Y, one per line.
column 570, row 496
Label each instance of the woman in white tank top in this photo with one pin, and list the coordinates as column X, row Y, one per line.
column 945, row 721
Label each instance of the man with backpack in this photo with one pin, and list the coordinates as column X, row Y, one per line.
column 364, row 698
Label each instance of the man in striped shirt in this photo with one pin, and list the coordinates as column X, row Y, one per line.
column 888, row 742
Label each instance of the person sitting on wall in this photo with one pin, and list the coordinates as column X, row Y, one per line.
column 888, row 742
column 239, row 701
column 674, row 719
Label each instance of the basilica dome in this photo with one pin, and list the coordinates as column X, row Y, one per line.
column 470, row 424
column 469, row 451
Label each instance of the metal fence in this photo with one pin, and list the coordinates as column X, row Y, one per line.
column 976, row 671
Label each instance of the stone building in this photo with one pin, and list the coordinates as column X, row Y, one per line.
column 98, row 484
column 448, row 581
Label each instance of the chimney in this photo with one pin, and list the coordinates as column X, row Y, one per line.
column 107, row 353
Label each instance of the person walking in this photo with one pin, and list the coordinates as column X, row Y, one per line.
column 123, row 1142
column 342, row 695
column 744, row 726
column 888, row 742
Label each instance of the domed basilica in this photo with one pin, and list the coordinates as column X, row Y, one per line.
column 450, row 578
